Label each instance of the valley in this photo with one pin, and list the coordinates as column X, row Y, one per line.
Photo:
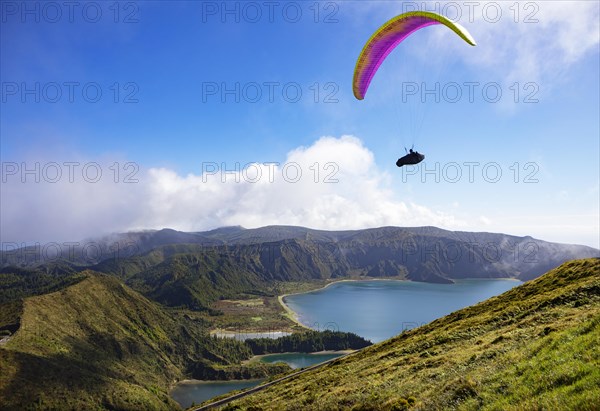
column 123, row 332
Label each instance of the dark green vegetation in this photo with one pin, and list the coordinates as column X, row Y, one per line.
column 534, row 347
column 195, row 271
column 118, row 340
column 287, row 253
column 310, row 341
column 16, row 283
column 10, row 317
column 100, row 345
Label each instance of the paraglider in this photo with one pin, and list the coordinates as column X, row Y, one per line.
column 383, row 42
column 413, row 157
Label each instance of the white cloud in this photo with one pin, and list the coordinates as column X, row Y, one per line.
column 527, row 42
column 531, row 41
column 484, row 220
column 360, row 195
column 340, row 188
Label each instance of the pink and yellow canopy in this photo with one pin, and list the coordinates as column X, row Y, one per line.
column 388, row 36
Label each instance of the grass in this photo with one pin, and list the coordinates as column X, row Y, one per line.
column 534, row 347
column 100, row 345
column 264, row 314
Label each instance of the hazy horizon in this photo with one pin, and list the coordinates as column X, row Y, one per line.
column 10, row 245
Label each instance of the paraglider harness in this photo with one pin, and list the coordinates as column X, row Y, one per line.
column 413, row 157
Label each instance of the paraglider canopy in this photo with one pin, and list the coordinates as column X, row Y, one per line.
column 388, row 36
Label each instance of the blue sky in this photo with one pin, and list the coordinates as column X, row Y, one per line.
column 155, row 63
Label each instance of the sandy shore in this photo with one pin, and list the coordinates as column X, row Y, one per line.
column 291, row 314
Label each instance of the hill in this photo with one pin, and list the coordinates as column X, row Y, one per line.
column 195, row 276
column 421, row 253
column 98, row 344
column 195, row 270
column 17, row 283
column 533, row 347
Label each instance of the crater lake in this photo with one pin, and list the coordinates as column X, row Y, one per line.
column 380, row 309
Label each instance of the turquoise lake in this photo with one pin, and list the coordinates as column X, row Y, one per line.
column 378, row 310
column 299, row 360
column 198, row 391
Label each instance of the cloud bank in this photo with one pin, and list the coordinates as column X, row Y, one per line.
column 332, row 184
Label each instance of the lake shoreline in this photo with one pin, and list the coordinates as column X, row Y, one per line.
column 323, row 308
column 189, row 381
column 289, row 313
column 292, row 315
column 224, row 333
column 254, row 359
column 257, row 358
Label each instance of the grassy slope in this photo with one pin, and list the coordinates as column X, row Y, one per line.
column 534, row 347
column 75, row 346
column 98, row 344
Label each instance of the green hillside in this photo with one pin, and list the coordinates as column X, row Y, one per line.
column 17, row 283
column 100, row 345
column 197, row 271
column 534, row 347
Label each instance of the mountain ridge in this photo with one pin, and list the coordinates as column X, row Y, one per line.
column 139, row 242
column 229, row 262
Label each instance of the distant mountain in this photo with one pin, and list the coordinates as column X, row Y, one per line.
column 421, row 253
column 93, row 250
column 534, row 347
column 425, row 243
column 194, row 276
column 195, row 269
